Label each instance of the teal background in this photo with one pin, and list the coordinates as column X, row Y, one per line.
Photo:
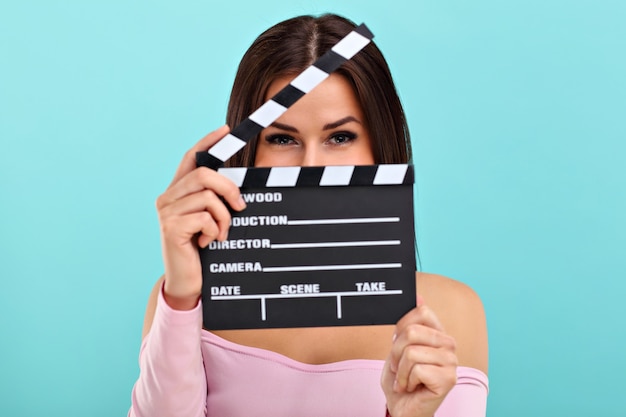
column 517, row 110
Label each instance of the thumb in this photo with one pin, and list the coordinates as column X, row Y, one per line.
column 420, row 300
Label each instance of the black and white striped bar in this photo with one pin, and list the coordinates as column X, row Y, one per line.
column 328, row 176
column 271, row 110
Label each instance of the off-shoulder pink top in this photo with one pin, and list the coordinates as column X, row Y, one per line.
column 189, row 372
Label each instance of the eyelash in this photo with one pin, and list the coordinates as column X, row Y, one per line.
column 274, row 139
column 349, row 136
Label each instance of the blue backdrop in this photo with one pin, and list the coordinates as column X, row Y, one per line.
column 517, row 110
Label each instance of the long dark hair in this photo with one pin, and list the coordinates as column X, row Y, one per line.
column 290, row 47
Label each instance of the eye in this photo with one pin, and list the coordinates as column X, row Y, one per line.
column 279, row 140
column 341, row 138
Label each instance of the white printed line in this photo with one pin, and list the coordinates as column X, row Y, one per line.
column 330, row 267
column 263, row 309
column 309, row 295
column 344, row 221
column 338, row 306
column 334, row 244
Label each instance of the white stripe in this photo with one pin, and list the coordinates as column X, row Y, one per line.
column 330, row 267
column 344, row 221
column 350, row 45
column 307, row 295
column 390, row 174
column 337, row 175
column 283, row 177
column 309, row 78
column 236, row 175
column 334, row 244
column 227, row 147
column 267, row 113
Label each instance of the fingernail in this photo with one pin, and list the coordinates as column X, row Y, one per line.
column 395, row 386
column 242, row 203
column 394, row 337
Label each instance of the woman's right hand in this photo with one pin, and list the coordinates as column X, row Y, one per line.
column 192, row 215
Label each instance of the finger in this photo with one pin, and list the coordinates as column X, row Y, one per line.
column 439, row 380
column 188, row 162
column 419, row 315
column 198, row 180
column 208, row 229
column 179, row 230
column 418, row 335
column 415, row 356
column 205, row 200
column 210, row 232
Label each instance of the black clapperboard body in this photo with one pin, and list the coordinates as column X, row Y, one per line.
column 316, row 246
column 314, row 253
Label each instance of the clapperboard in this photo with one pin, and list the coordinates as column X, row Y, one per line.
column 316, row 246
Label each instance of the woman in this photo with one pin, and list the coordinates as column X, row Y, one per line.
column 434, row 360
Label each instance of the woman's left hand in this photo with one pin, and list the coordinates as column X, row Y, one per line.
column 421, row 367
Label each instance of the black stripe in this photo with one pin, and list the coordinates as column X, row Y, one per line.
column 247, row 130
column 363, row 30
column 205, row 159
column 363, row 175
column 310, row 177
column 329, row 62
column 256, row 178
column 288, row 95
column 409, row 177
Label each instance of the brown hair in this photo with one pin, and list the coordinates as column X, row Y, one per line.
column 290, row 47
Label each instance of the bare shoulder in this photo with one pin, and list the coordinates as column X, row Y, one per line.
column 462, row 315
column 151, row 307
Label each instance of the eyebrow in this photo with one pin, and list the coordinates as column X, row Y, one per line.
column 328, row 126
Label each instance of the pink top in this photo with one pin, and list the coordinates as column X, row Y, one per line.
column 189, row 372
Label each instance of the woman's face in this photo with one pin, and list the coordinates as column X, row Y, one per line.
column 325, row 127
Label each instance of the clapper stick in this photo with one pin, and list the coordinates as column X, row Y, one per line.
column 316, row 246
column 272, row 109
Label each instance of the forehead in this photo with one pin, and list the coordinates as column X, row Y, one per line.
column 334, row 94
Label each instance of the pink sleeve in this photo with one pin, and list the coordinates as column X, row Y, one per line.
column 172, row 380
column 468, row 398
